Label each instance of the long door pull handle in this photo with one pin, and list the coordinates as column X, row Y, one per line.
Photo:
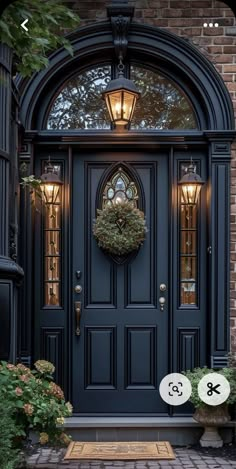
column 77, row 317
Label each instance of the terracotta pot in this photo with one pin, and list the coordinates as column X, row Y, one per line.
column 211, row 418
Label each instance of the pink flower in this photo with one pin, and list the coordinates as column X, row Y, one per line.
column 29, row 409
column 24, row 378
column 18, row 391
column 23, row 368
column 11, row 367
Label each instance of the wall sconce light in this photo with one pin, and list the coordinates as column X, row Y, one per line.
column 50, row 185
column 191, row 184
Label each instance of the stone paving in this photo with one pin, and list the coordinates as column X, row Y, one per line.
column 186, row 458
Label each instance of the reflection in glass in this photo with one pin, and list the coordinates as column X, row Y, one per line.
column 79, row 104
column 120, row 189
column 52, row 251
column 162, row 104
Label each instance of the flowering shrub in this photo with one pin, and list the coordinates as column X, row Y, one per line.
column 38, row 403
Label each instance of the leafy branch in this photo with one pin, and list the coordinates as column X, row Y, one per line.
column 48, row 20
column 33, row 184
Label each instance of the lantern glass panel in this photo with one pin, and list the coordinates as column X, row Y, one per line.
column 50, row 192
column 115, row 105
column 128, row 106
column 191, row 193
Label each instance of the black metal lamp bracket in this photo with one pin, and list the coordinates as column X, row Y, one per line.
column 120, row 14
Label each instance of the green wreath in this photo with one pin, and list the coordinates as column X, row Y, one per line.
column 120, row 229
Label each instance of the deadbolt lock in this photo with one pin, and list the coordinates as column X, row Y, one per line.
column 78, row 289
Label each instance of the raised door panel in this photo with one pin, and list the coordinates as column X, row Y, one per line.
column 100, row 358
column 140, row 357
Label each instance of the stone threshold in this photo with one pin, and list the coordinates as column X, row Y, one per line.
column 134, row 422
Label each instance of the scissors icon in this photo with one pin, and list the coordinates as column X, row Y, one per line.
column 212, row 389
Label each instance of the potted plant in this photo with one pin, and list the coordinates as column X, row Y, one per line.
column 211, row 417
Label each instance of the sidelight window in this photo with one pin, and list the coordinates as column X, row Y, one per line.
column 52, row 248
column 188, row 222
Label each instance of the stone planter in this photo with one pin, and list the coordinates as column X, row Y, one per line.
column 211, row 418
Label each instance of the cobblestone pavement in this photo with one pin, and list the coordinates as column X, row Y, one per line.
column 186, row 458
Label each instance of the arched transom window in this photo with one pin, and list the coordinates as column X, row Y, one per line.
column 79, row 105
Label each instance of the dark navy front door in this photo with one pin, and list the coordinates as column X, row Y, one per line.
column 121, row 354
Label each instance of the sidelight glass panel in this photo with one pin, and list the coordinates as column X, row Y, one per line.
column 188, row 294
column 188, row 242
column 188, row 222
column 52, row 294
column 52, row 249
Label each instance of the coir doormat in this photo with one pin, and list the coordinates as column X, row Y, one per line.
column 133, row 450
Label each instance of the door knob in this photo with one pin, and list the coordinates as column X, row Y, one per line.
column 162, row 301
column 78, row 289
column 163, row 287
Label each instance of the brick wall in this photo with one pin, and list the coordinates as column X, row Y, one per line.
column 185, row 18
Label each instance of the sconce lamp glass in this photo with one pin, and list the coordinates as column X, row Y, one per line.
column 191, row 184
column 50, row 185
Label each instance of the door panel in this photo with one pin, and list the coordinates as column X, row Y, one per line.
column 122, row 352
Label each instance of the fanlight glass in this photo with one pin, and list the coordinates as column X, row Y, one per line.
column 79, row 104
column 162, row 104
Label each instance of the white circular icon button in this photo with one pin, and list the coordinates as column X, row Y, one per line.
column 213, row 389
column 175, row 389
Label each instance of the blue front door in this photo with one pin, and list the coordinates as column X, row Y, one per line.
column 121, row 354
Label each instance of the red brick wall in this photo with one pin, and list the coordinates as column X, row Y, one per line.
column 185, row 18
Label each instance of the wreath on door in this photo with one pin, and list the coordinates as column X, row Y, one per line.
column 120, row 228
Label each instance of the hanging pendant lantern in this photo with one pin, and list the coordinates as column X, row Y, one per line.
column 191, row 184
column 50, row 185
column 121, row 95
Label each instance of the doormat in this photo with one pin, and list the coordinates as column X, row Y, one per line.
column 133, row 450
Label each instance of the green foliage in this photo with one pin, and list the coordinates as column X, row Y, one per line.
column 120, row 229
column 197, row 374
column 48, row 20
column 33, row 184
column 9, row 456
column 38, row 403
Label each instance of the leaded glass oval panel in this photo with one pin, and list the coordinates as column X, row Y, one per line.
column 120, row 189
column 162, row 104
column 79, row 104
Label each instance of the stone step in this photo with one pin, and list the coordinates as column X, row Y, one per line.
column 177, row 430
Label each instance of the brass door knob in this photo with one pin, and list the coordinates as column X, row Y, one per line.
column 78, row 289
column 163, row 287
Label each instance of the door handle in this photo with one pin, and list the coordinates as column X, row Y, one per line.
column 77, row 317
